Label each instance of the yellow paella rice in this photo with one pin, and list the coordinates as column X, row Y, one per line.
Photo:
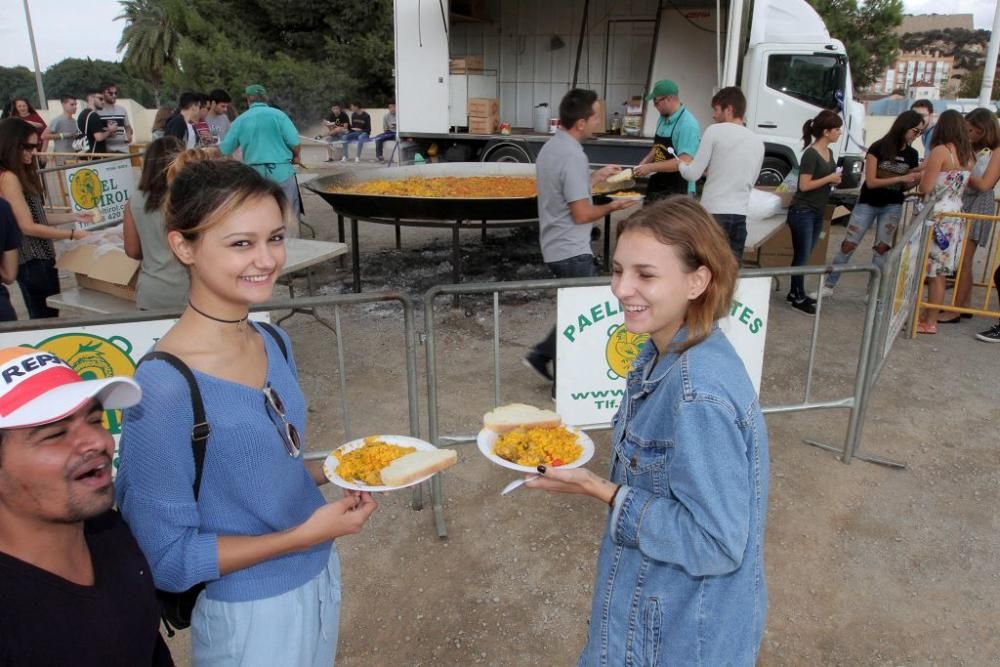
column 537, row 446
column 365, row 463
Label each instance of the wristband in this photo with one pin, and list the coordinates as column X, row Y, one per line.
column 611, row 502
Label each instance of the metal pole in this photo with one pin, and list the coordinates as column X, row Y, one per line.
column 42, row 102
column 990, row 67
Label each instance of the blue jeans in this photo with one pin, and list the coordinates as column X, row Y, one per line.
column 359, row 137
column 381, row 139
column 38, row 280
column 735, row 227
column 806, row 225
column 885, row 219
column 581, row 266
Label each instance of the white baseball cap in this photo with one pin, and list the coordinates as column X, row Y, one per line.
column 37, row 387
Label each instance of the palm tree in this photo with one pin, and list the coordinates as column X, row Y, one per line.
column 150, row 38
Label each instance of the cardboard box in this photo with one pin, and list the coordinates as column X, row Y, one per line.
column 777, row 250
column 103, row 268
column 483, row 125
column 602, row 112
column 465, row 64
column 483, row 107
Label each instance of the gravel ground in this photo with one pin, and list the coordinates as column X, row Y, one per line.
column 866, row 565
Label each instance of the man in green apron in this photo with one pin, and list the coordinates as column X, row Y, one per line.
column 677, row 133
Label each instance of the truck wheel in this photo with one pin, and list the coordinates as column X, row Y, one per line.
column 773, row 171
column 508, row 153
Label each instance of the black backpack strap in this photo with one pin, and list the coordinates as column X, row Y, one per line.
column 200, row 429
column 271, row 329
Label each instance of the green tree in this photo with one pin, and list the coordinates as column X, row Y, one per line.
column 18, row 82
column 152, row 33
column 973, row 81
column 867, row 31
column 75, row 76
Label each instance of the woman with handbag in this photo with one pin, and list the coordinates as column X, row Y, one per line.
column 258, row 532
column 680, row 574
column 21, row 186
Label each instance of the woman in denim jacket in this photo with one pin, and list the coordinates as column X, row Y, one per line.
column 680, row 576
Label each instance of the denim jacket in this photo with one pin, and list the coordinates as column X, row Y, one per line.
column 680, row 576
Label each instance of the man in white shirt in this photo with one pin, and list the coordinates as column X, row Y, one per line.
column 733, row 155
column 114, row 112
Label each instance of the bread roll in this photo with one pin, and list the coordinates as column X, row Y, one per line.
column 621, row 176
column 508, row 417
column 418, row 464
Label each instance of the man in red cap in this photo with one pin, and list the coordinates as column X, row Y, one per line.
column 76, row 589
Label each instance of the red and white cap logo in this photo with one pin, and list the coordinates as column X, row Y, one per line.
column 37, row 387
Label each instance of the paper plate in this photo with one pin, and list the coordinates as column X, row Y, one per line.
column 330, row 464
column 487, row 439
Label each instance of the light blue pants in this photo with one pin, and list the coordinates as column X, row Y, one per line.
column 297, row 628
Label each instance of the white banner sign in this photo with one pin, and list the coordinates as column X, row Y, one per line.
column 106, row 187
column 595, row 351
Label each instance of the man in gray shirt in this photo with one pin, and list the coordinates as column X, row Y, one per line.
column 733, row 155
column 565, row 209
column 218, row 114
column 62, row 130
column 112, row 111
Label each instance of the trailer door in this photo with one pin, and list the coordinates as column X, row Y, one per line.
column 421, row 34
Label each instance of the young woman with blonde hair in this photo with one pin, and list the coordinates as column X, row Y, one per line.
column 680, row 575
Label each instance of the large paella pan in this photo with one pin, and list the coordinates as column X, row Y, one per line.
column 506, row 198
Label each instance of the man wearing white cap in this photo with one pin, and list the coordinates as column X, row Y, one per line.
column 75, row 587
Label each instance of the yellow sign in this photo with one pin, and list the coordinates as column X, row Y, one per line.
column 86, row 188
column 622, row 349
column 94, row 358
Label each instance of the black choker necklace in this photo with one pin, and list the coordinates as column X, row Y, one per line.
column 240, row 323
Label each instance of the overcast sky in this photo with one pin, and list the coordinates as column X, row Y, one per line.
column 68, row 29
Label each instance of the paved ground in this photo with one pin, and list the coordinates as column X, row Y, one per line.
column 866, row 565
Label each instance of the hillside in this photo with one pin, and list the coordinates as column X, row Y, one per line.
column 968, row 46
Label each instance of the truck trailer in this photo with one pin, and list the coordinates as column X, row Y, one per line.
column 528, row 54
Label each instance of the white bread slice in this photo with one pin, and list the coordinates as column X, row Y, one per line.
column 508, row 417
column 415, row 465
column 621, row 176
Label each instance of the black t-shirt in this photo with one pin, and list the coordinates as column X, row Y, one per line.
column 176, row 126
column 818, row 167
column 361, row 122
column 46, row 620
column 904, row 160
column 10, row 233
column 340, row 120
column 90, row 122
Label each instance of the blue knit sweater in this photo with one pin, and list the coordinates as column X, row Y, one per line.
column 250, row 485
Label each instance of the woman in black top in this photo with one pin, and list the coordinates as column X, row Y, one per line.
column 817, row 174
column 891, row 168
column 21, row 186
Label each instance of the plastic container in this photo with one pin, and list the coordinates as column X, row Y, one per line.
column 540, row 122
column 553, row 125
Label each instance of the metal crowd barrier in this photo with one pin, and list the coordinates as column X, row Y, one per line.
column 991, row 265
column 855, row 402
column 336, row 302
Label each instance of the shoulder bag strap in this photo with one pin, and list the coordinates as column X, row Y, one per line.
column 271, row 329
column 200, row 429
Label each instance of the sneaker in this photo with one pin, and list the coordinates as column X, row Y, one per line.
column 539, row 364
column 343, row 159
column 991, row 335
column 826, row 290
column 329, row 159
column 380, row 158
column 804, row 305
column 357, row 159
